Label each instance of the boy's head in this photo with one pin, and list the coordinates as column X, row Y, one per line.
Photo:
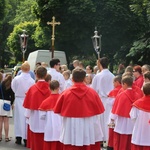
column 55, row 63
column 41, row 72
column 54, row 86
column 117, row 81
column 146, row 76
column 129, row 69
column 104, row 62
column 88, row 79
column 78, row 75
column 145, row 68
column 127, row 82
column 48, row 78
column 76, row 63
column 127, row 74
column 66, row 74
column 146, row 88
column 25, row 67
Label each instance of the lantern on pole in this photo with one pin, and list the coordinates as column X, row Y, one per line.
column 23, row 43
column 96, row 40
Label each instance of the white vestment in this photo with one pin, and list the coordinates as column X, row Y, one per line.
column 35, row 122
column 123, row 125
column 52, row 126
column 68, row 84
column 102, row 83
column 57, row 76
column 20, row 85
column 141, row 130
column 81, row 131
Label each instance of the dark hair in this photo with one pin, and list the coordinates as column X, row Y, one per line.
column 38, row 63
column 146, row 88
column 48, row 77
column 7, row 81
column 90, row 67
column 78, row 75
column 54, row 62
column 128, row 80
column 54, row 85
column 104, row 62
column 118, row 78
column 41, row 72
column 147, row 75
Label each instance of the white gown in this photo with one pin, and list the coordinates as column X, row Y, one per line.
column 20, row 85
column 141, row 130
column 52, row 126
column 103, row 83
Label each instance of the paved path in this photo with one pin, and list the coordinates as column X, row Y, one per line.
column 11, row 145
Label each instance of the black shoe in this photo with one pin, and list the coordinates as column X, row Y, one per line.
column 18, row 140
column 109, row 148
column 25, row 142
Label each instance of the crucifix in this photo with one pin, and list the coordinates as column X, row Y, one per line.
column 53, row 23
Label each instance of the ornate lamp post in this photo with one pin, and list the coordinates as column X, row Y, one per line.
column 96, row 40
column 23, row 43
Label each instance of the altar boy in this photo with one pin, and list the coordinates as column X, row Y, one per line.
column 140, row 113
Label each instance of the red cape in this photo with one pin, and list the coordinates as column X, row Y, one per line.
column 36, row 94
column 114, row 92
column 143, row 103
column 123, row 102
column 49, row 103
column 135, row 88
column 139, row 81
column 79, row 101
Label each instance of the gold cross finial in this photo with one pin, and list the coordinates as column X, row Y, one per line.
column 53, row 23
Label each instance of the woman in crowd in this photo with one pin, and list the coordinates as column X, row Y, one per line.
column 7, row 94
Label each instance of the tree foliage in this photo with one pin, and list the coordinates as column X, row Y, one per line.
column 14, row 42
column 124, row 26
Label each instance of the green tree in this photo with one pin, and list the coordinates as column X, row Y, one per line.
column 14, row 42
column 2, row 14
column 140, row 49
column 113, row 18
column 24, row 12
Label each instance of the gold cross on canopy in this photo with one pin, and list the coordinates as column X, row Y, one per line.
column 53, row 23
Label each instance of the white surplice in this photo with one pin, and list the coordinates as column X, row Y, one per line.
column 102, row 83
column 81, row 131
column 52, row 126
column 20, row 85
column 141, row 130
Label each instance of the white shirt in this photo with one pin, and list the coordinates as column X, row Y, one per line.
column 57, row 76
column 102, row 83
column 68, row 83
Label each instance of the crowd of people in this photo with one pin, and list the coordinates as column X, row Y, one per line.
column 78, row 107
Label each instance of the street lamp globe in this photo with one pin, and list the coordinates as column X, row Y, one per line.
column 23, row 43
column 96, row 40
